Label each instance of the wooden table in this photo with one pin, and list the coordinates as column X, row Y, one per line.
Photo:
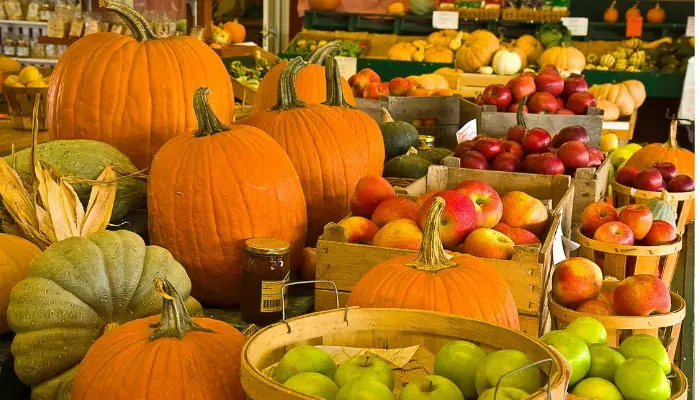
column 21, row 139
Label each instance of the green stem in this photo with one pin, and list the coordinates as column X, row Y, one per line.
column 175, row 321
column 321, row 54
column 334, row 88
column 673, row 132
column 287, row 97
column 136, row 23
column 207, row 123
column 432, row 256
column 521, row 116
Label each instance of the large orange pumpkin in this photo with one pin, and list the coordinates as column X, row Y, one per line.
column 133, row 92
column 683, row 159
column 170, row 356
column 437, row 281
column 328, row 159
column 15, row 256
column 310, row 83
column 477, row 50
column 211, row 190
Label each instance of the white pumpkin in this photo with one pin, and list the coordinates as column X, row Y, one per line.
column 506, row 62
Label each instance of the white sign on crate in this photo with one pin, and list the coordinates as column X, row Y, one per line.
column 445, row 20
column 687, row 107
column 690, row 27
column 577, row 26
column 347, row 66
column 467, row 132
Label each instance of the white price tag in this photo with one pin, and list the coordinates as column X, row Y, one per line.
column 577, row 26
column 687, row 108
column 347, row 66
column 445, row 20
column 559, row 254
column 467, row 132
column 690, row 27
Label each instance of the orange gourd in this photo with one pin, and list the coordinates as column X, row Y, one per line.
column 15, row 256
column 611, row 15
column 656, row 15
column 310, row 83
column 170, row 356
column 328, row 159
column 438, row 281
column 683, row 159
column 439, row 55
column 133, row 92
column 531, row 46
column 211, row 190
column 477, row 50
column 442, row 38
column 325, row 5
column 633, row 11
column 236, row 31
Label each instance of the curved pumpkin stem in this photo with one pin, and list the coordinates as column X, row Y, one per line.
column 287, row 97
column 672, row 133
column 520, row 116
column 175, row 321
column 334, row 88
column 207, row 122
column 136, row 23
column 432, row 256
column 386, row 117
column 321, row 54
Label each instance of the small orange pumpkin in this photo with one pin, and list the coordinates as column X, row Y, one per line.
column 442, row 38
column 656, row 15
column 633, row 11
column 439, row 55
column 15, row 256
column 531, row 46
column 611, row 15
column 236, row 31
column 438, row 281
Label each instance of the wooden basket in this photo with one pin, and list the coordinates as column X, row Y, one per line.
column 21, row 104
column 681, row 202
column 666, row 327
column 621, row 261
column 679, row 386
column 386, row 329
column 528, row 273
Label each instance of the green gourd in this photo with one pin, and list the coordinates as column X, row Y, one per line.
column 433, row 154
column 398, row 136
column 662, row 209
column 421, row 7
column 78, row 289
column 86, row 159
column 409, row 165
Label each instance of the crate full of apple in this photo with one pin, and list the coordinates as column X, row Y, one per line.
column 367, row 84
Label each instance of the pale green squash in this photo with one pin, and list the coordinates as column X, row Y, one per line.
column 663, row 210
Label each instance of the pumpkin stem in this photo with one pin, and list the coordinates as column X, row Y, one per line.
column 612, row 5
column 207, row 123
column 136, row 23
column 386, row 117
column 672, row 133
column 521, row 115
column 411, row 151
column 334, row 87
column 432, row 256
column 321, row 54
column 175, row 321
column 287, row 97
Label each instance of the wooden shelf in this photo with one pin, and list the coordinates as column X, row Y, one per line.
column 58, row 41
column 45, row 61
column 23, row 23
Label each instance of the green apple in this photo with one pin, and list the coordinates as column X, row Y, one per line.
column 504, row 393
column 574, row 349
column 304, row 359
column 313, row 384
column 642, row 378
column 365, row 364
column 604, row 362
column 589, row 329
column 364, row 387
column 597, row 388
column 431, row 387
column 499, row 363
column 457, row 362
column 646, row 346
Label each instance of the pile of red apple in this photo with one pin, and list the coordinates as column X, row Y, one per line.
column 367, row 84
column 533, row 151
column 476, row 220
column 546, row 92
column 660, row 176
column 633, row 225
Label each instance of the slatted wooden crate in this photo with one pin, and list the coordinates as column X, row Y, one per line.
column 528, row 273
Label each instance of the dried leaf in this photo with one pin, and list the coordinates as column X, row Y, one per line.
column 101, row 202
column 56, row 208
column 45, row 225
column 72, row 207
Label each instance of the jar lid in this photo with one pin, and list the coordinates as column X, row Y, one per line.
column 267, row 246
column 426, row 138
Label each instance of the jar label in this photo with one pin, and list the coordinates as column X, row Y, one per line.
column 270, row 300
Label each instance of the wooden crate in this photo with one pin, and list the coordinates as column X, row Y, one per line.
column 677, row 379
column 528, row 273
column 242, row 92
column 493, row 123
column 21, row 105
column 681, row 202
column 590, row 184
column 471, row 85
column 623, row 128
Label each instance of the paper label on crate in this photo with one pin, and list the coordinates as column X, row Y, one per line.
column 690, row 27
column 347, row 66
column 445, row 19
column 577, row 26
column 558, row 253
column 467, row 132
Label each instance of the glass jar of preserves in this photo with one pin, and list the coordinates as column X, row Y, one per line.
column 9, row 47
column 22, row 47
column 266, row 272
column 427, row 140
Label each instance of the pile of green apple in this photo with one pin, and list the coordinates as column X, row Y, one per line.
column 635, row 371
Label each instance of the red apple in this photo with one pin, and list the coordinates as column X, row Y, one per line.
column 400, row 87
column 373, row 76
column 520, row 210
column 464, row 147
column 522, row 86
column 574, row 133
column 551, row 68
column 458, row 218
column 519, row 236
column 516, row 133
column 374, row 91
column 506, row 162
column 474, row 160
column 660, row 233
column 573, row 155
column 488, row 147
column 530, row 161
column 667, row 169
column 614, row 232
column 641, row 296
column 638, row 217
column 575, row 281
column 560, row 104
column 536, row 140
column 549, row 164
column 550, row 82
column 598, row 307
column 596, row 215
column 370, row 191
column 393, row 209
column 424, row 197
column 565, row 111
column 595, row 157
column 489, row 243
column 479, row 99
column 606, row 297
column 681, row 183
column 358, row 83
column 359, row 230
column 497, row 95
column 399, row 234
column 542, row 102
column 648, row 179
column 625, row 176
column 514, row 108
column 514, row 148
column 574, row 84
column 385, row 88
column 487, row 202
column 580, row 101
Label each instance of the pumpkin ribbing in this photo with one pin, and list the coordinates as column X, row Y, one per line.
column 15, row 256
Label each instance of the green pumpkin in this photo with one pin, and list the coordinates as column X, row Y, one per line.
column 86, row 159
column 409, row 165
column 75, row 290
column 398, row 136
column 421, row 7
column 662, row 209
column 434, row 154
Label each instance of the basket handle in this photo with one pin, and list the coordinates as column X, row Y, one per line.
column 335, row 289
column 549, row 376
